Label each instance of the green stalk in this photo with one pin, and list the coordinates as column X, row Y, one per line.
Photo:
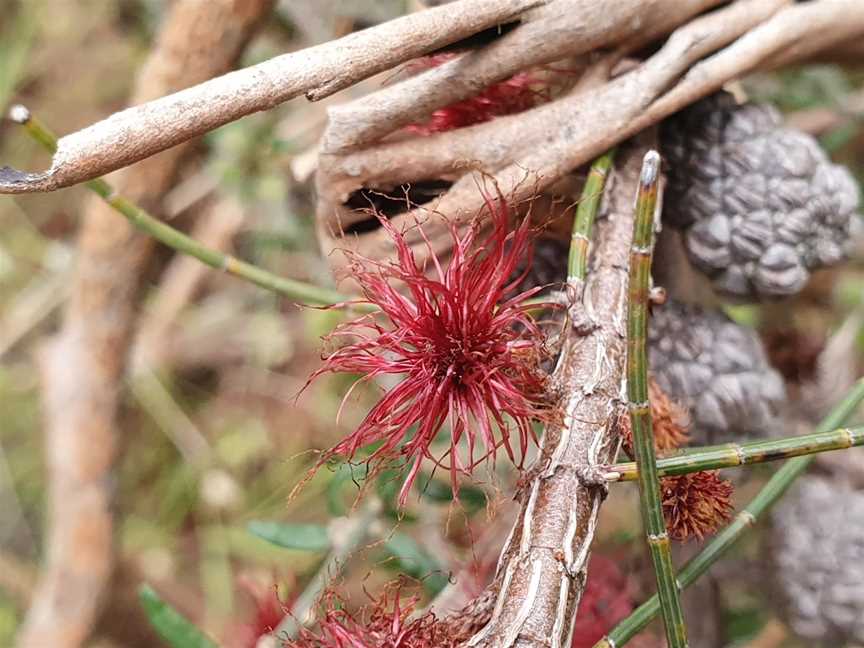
column 173, row 238
column 639, row 406
column 589, row 203
column 764, row 500
column 732, row 455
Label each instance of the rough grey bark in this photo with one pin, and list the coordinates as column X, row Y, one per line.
column 543, row 568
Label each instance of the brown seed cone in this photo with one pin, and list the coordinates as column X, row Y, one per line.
column 695, row 505
column 671, row 422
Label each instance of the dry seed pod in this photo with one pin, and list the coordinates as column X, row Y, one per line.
column 762, row 206
column 818, row 551
column 717, row 369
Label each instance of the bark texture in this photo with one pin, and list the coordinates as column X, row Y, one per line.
column 543, row 568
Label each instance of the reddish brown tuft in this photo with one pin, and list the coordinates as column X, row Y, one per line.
column 671, row 422
column 520, row 92
column 462, row 341
column 695, row 505
column 608, row 599
column 385, row 623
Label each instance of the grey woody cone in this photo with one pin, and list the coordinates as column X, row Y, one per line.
column 818, row 553
column 717, row 369
column 761, row 205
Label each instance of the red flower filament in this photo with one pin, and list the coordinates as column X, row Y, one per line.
column 463, row 341
column 516, row 94
column 382, row 624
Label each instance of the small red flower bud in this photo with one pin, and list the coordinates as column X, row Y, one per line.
column 385, row 623
column 268, row 612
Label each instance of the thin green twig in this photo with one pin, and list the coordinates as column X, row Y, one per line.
column 714, row 550
column 589, row 203
column 173, row 238
column 733, row 455
column 639, row 406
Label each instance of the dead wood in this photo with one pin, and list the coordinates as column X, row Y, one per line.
column 549, row 33
column 543, row 568
column 528, row 152
column 159, row 124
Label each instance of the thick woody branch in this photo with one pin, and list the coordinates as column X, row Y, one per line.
column 142, row 131
column 543, row 567
column 529, row 151
column 552, row 32
column 566, row 133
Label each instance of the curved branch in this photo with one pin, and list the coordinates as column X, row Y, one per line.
column 137, row 133
column 82, row 366
column 559, row 29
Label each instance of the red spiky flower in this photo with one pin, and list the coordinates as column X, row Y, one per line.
column 463, row 341
column 520, row 92
column 385, row 623
column 696, row 504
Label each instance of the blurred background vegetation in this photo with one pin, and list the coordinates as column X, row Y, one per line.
column 215, row 438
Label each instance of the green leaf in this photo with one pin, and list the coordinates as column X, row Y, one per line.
column 304, row 537
column 413, row 560
column 172, row 626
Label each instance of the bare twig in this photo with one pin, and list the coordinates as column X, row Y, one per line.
column 139, row 132
column 556, row 30
column 82, row 367
column 181, row 280
column 180, row 241
column 543, row 567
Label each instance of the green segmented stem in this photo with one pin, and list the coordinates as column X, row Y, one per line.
column 732, row 455
column 640, row 409
column 714, row 550
column 173, row 238
column 589, row 203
